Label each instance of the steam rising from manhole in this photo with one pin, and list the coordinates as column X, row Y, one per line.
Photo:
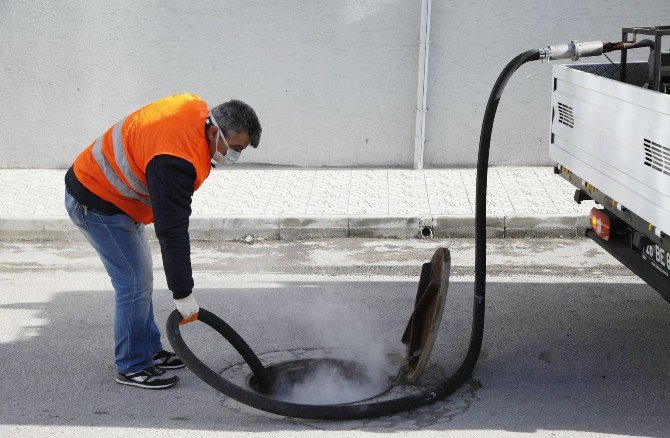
column 387, row 364
column 325, row 381
column 364, row 373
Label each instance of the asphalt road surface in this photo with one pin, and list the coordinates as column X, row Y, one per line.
column 575, row 344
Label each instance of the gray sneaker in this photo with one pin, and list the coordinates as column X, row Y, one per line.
column 166, row 360
column 150, row 378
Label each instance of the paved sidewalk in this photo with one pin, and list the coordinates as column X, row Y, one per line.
column 294, row 203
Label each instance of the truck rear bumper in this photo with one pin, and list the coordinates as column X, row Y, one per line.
column 632, row 259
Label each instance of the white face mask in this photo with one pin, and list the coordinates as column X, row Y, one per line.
column 232, row 156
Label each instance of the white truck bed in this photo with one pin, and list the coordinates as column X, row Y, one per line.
column 614, row 135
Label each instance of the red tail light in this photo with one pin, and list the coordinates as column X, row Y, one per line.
column 601, row 224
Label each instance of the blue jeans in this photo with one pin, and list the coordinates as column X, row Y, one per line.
column 124, row 250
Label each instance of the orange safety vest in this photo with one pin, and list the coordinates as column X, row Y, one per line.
column 113, row 167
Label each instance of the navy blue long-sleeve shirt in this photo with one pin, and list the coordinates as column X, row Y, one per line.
column 170, row 181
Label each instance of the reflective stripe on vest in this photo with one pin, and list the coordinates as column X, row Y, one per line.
column 110, row 174
column 122, row 160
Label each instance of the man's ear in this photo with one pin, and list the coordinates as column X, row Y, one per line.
column 211, row 133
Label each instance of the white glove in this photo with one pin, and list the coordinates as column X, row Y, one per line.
column 188, row 308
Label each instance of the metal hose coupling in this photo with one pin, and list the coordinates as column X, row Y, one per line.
column 574, row 50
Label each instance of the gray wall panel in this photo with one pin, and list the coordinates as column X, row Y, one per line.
column 334, row 83
column 472, row 40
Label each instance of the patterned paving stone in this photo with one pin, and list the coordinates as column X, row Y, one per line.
column 216, row 192
column 525, row 188
column 32, row 192
column 291, row 193
column 498, row 201
column 369, row 192
column 330, row 193
column 253, row 193
column 407, row 193
column 447, row 193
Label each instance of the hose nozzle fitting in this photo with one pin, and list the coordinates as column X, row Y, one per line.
column 574, row 50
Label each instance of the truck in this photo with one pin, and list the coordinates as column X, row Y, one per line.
column 610, row 138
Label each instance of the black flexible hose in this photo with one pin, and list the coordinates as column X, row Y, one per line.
column 388, row 407
column 238, row 343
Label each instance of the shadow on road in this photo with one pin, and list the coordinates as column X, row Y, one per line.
column 572, row 356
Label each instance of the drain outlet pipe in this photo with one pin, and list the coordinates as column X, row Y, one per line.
column 422, row 85
column 452, row 383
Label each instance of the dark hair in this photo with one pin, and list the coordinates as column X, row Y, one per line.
column 236, row 116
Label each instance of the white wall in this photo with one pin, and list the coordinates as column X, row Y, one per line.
column 333, row 83
column 472, row 40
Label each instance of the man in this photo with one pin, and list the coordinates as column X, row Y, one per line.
column 145, row 169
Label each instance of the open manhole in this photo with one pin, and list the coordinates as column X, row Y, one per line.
column 336, row 381
column 324, row 381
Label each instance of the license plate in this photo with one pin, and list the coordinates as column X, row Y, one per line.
column 657, row 257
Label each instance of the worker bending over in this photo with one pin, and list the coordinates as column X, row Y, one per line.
column 145, row 169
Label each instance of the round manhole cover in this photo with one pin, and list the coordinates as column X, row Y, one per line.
column 423, row 325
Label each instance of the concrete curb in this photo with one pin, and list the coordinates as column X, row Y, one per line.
column 223, row 228
column 545, row 226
